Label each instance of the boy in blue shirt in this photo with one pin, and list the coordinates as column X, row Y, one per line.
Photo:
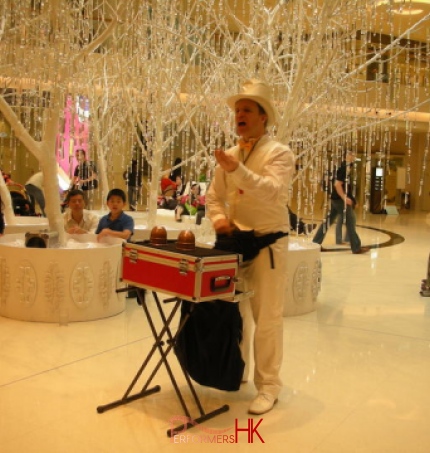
column 117, row 223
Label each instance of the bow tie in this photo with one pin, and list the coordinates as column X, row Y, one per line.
column 247, row 146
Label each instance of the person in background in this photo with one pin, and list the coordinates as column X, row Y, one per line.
column 34, row 188
column 133, row 179
column 180, row 187
column 167, row 185
column 117, row 223
column 192, row 204
column 341, row 239
column 167, row 199
column 342, row 199
column 85, row 177
column 78, row 220
column 8, row 180
column 249, row 191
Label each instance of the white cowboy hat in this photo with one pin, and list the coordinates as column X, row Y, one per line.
column 259, row 92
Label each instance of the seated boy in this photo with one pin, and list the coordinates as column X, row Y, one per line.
column 117, row 223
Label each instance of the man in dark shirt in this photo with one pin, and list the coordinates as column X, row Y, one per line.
column 133, row 179
column 343, row 202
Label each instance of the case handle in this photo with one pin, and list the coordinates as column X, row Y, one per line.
column 220, row 283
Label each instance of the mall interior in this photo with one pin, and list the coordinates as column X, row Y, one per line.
column 356, row 365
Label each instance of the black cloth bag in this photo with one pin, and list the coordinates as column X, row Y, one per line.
column 208, row 345
column 245, row 242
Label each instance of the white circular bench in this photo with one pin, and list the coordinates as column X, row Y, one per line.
column 60, row 284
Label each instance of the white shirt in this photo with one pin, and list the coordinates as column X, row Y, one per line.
column 88, row 223
column 36, row 180
column 255, row 195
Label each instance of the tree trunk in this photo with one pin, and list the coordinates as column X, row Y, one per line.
column 7, row 207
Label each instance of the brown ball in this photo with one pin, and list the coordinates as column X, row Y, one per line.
column 158, row 236
column 186, row 240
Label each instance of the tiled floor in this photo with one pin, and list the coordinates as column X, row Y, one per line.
column 356, row 371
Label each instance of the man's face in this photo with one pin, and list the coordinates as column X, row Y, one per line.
column 249, row 121
column 80, row 156
column 76, row 203
column 115, row 204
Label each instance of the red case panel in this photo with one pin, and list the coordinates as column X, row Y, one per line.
column 176, row 273
column 156, row 275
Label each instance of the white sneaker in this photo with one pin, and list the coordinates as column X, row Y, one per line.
column 262, row 403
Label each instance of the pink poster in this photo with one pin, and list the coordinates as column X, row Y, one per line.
column 75, row 133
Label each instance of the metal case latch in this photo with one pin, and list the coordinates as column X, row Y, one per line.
column 183, row 266
column 134, row 256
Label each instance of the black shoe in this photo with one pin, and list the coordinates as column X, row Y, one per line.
column 361, row 250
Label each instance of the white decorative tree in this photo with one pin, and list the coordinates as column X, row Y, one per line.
column 42, row 48
column 157, row 74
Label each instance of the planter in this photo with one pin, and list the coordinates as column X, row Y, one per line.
column 304, row 277
column 77, row 283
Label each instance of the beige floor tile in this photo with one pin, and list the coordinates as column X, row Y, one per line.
column 355, row 371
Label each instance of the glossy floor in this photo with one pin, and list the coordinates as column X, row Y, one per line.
column 356, row 371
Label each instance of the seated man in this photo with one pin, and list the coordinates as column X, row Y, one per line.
column 117, row 223
column 78, row 220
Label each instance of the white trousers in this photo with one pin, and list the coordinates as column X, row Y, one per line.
column 262, row 315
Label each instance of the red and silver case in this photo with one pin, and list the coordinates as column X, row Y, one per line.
column 196, row 275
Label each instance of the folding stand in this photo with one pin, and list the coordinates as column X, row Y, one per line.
column 164, row 348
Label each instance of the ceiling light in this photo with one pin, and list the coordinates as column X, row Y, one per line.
column 402, row 2
column 405, row 7
column 408, row 12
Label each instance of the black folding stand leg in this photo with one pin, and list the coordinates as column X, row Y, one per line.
column 203, row 415
column 158, row 344
column 144, row 392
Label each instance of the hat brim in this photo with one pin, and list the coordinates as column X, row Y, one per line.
column 267, row 106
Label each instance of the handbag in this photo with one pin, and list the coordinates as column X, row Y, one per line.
column 208, row 344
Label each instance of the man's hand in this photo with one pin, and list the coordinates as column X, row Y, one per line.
column 223, row 226
column 227, row 162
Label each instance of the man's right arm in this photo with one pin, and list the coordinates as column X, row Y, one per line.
column 215, row 203
column 215, row 196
